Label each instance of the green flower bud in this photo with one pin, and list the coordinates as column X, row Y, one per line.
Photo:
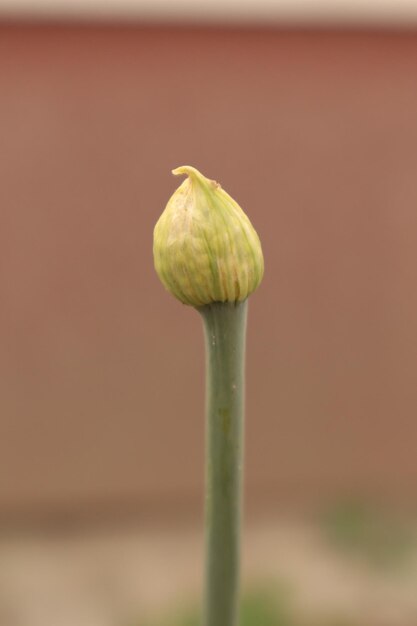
column 205, row 248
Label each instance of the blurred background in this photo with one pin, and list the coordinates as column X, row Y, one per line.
column 306, row 114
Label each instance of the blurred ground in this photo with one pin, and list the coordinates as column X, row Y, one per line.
column 118, row 577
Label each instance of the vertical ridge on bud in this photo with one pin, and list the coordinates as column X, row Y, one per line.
column 205, row 248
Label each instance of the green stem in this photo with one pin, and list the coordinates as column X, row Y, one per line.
column 225, row 331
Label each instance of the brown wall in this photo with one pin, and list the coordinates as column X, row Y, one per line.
column 101, row 372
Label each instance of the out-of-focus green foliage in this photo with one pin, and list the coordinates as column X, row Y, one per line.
column 360, row 530
column 260, row 607
column 268, row 605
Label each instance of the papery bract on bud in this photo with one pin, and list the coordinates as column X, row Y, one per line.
column 205, row 248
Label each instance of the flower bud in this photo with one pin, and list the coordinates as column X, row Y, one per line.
column 205, row 248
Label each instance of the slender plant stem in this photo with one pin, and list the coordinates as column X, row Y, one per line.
column 225, row 333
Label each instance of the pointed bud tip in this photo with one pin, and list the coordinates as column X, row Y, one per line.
column 195, row 175
column 187, row 170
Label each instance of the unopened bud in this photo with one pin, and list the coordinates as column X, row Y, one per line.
column 205, row 248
